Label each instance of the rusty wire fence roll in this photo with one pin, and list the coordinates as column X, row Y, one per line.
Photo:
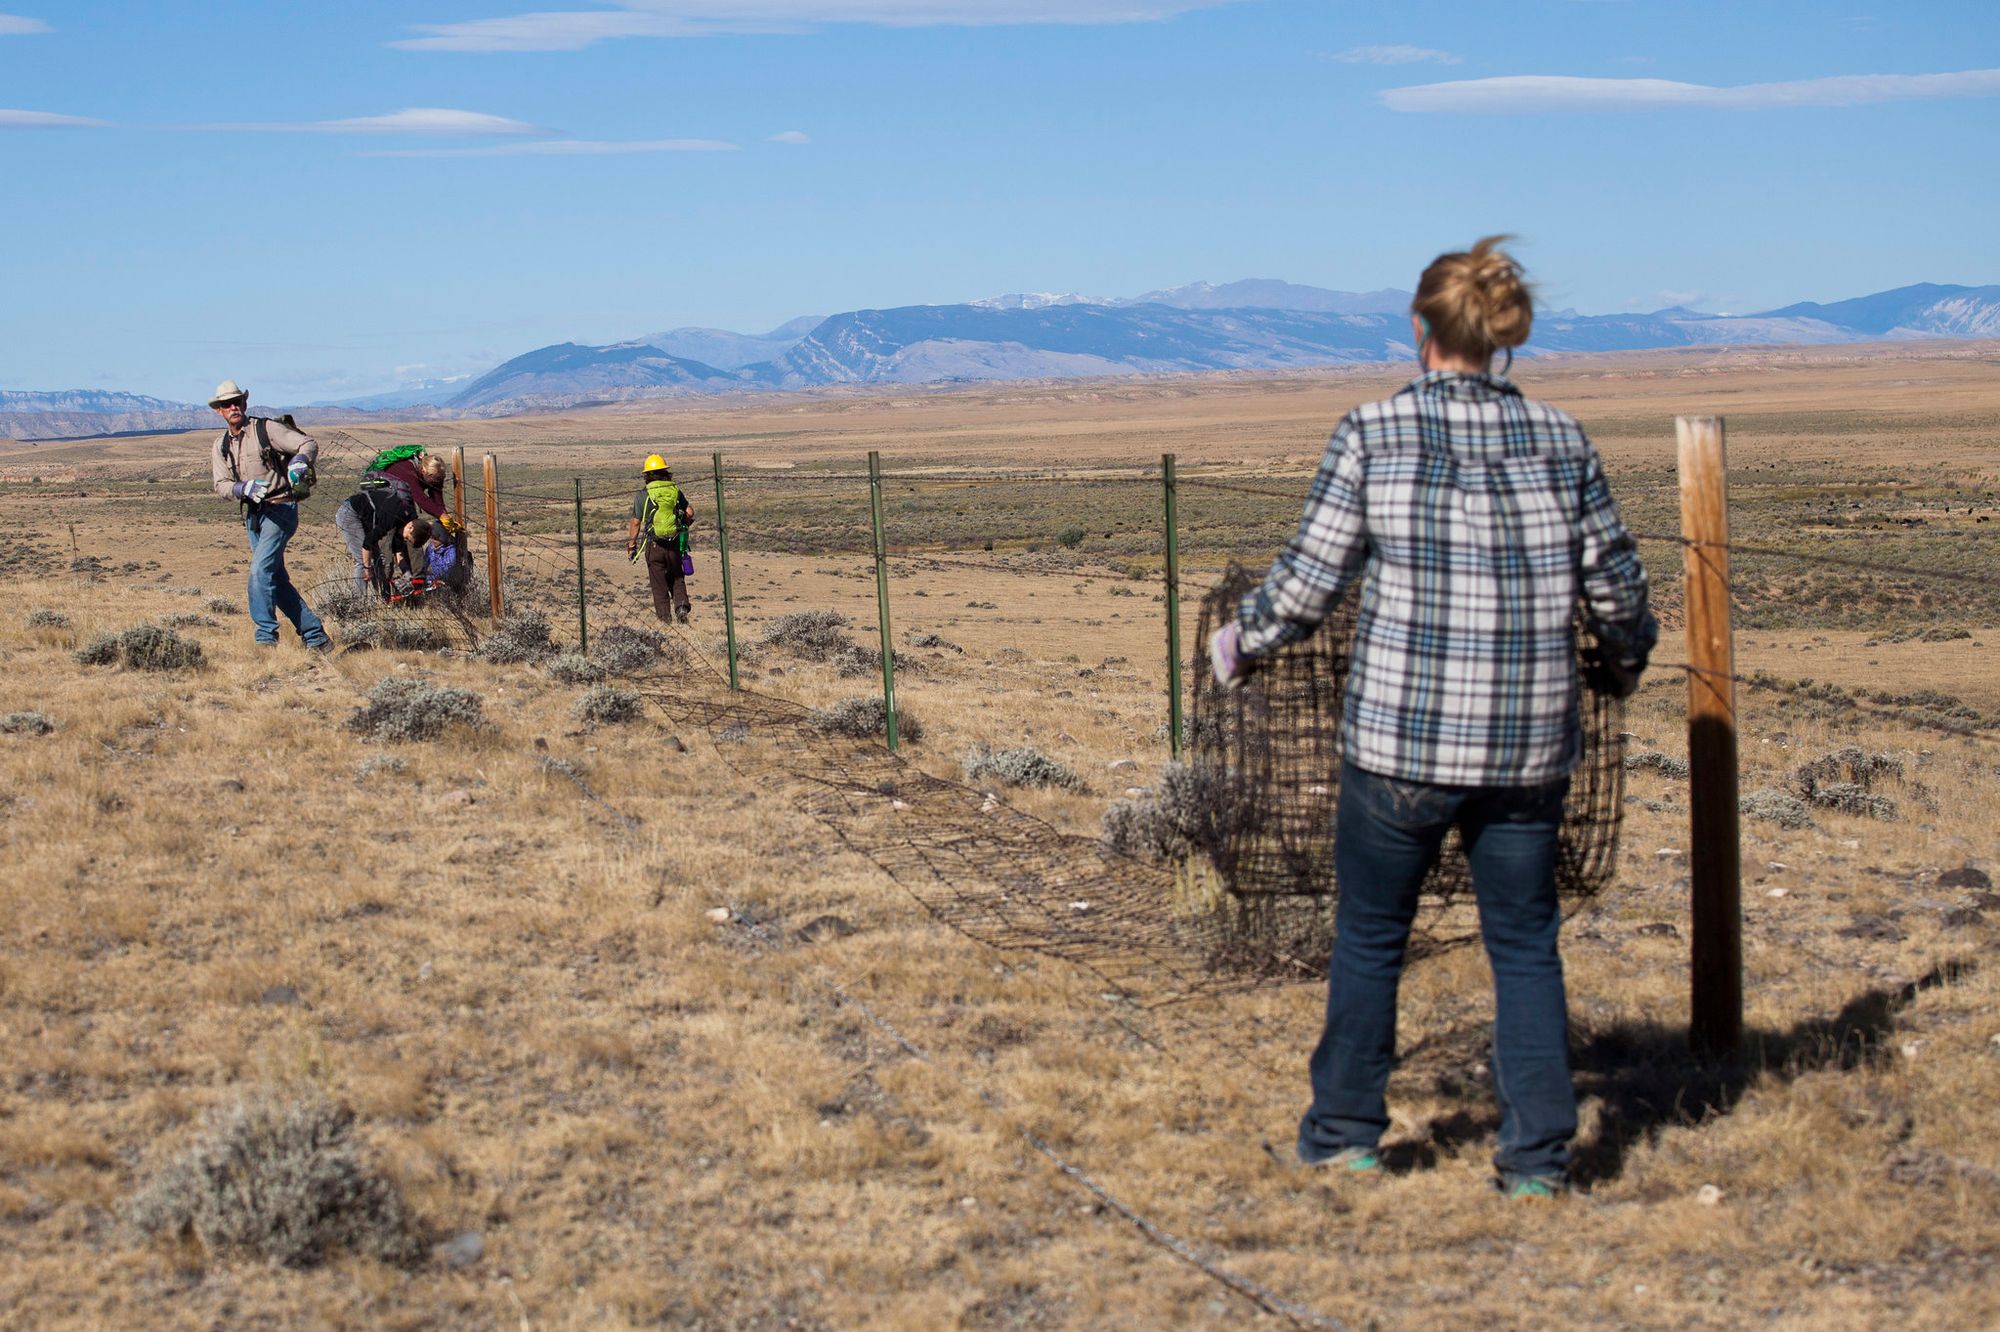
column 1267, row 758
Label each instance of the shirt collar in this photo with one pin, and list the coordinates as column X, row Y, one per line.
column 1462, row 387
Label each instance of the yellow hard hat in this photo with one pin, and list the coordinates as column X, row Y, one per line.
column 655, row 463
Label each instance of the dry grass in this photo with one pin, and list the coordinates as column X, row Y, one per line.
column 653, row 1119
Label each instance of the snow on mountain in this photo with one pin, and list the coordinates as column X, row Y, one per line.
column 1034, row 300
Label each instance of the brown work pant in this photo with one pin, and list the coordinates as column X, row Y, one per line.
column 663, row 571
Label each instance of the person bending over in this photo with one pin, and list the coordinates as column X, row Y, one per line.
column 377, row 524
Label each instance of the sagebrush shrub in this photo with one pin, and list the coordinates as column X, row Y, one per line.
column 523, row 638
column 1193, row 807
column 380, row 765
column 143, row 647
column 926, row 640
column 863, row 718
column 397, row 633
column 1667, row 765
column 25, row 723
column 571, row 668
column 47, row 619
column 189, row 620
column 621, row 649
column 609, row 704
column 343, row 601
column 281, row 1179
column 1779, row 807
column 1070, row 537
column 223, row 606
column 149, row 647
column 816, row 635
column 415, row 710
column 1019, row 767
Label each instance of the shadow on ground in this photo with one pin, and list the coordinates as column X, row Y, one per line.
column 1647, row 1079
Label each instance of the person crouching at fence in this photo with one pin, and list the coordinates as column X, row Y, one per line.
column 661, row 518
column 379, row 523
column 1477, row 518
column 266, row 466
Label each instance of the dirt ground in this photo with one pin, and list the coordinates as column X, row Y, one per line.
column 679, row 1052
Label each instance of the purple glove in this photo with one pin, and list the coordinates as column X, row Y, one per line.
column 1225, row 656
column 252, row 492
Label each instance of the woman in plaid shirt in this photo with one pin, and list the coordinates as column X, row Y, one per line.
column 1476, row 519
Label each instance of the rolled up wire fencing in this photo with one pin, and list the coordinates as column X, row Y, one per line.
column 1267, row 759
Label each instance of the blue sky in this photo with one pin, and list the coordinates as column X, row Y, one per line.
column 328, row 200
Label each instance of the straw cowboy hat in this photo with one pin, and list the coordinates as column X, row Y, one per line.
column 227, row 392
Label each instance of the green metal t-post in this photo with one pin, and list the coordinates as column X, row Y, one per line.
column 582, row 617
column 722, row 549
column 1173, row 611
column 882, row 596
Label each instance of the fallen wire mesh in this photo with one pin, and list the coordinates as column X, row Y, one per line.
column 1267, row 759
column 978, row 865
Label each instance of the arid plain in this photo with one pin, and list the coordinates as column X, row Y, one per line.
column 822, row 1108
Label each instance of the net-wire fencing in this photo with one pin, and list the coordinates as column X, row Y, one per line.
column 1206, row 903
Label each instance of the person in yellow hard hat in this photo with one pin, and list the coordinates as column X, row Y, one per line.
column 661, row 519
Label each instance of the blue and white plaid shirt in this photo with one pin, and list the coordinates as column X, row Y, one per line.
column 1480, row 517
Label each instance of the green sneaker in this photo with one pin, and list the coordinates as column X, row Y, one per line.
column 1546, row 1188
column 1352, row 1160
column 1348, row 1160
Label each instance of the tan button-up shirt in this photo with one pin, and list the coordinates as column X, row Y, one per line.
column 237, row 458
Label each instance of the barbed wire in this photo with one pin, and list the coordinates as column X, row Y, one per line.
column 1816, row 557
column 1204, row 483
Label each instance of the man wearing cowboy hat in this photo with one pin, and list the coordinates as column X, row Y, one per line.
column 264, row 466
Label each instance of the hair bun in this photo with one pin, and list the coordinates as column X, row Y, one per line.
column 1476, row 301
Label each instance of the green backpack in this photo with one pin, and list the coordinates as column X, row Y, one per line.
column 391, row 456
column 663, row 502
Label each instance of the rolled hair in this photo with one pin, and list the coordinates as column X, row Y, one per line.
column 1475, row 301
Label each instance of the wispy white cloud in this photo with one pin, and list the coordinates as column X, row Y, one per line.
column 1529, row 93
column 13, row 25
column 1392, row 55
column 46, row 120
column 574, row 30
column 413, row 120
column 569, row 148
column 792, row 136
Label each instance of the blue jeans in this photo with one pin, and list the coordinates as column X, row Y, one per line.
column 269, row 527
column 1386, row 838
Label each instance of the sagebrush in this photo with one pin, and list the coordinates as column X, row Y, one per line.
column 604, row 704
column 865, row 718
column 622, row 649
column 144, row 647
column 416, row 710
column 283, row 1180
column 523, row 638
column 1019, row 767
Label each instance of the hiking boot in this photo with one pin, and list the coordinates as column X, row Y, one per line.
column 1532, row 1188
column 681, row 615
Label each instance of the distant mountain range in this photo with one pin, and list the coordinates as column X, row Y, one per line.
column 1257, row 324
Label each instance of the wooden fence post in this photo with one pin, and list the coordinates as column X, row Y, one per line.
column 490, row 467
column 1715, row 853
column 458, row 486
